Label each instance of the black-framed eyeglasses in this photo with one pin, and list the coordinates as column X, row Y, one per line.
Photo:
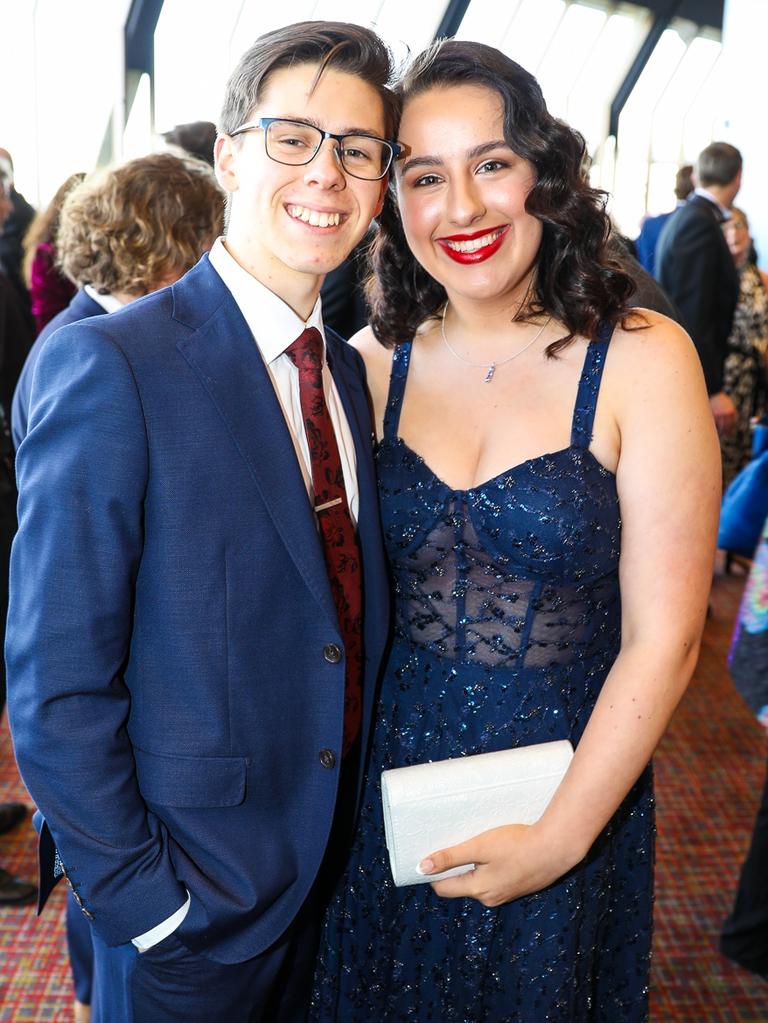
column 297, row 143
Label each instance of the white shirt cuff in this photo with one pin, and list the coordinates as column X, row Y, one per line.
column 162, row 930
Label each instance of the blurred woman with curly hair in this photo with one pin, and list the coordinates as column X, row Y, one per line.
column 549, row 490
column 124, row 232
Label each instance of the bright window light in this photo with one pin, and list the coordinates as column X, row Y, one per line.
column 603, row 72
column 530, row 31
column 69, row 70
column 633, row 154
column 707, row 117
column 487, row 22
column 192, row 60
column 137, row 137
column 567, row 53
column 255, row 19
column 678, row 97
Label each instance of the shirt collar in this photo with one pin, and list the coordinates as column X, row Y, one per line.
column 272, row 322
column 108, row 302
column 724, row 211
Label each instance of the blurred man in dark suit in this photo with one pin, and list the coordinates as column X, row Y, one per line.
column 696, row 269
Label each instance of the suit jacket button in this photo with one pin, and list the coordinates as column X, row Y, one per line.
column 332, row 653
column 328, row 758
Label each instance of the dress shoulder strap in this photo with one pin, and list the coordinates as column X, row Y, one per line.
column 589, row 387
column 397, row 380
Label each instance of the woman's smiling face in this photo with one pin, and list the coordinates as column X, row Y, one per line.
column 462, row 193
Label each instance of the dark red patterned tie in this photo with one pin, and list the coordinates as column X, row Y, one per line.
column 342, row 554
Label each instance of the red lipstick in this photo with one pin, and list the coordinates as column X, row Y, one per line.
column 479, row 255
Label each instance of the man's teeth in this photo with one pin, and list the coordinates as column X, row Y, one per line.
column 313, row 217
column 474, row 243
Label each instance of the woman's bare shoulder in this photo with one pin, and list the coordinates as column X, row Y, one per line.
column 654, row 377
column 651, row 343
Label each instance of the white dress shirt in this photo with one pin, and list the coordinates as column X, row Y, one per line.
column 274, row 326
column 724, row 211
column 108, row 302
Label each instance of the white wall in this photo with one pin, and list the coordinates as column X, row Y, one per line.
column 745, row 36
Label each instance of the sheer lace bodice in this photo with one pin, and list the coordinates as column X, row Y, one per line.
column 519, row 571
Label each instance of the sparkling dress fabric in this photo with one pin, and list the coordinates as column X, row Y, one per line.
column 507, row 621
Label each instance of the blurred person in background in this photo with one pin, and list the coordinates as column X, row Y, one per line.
column 744, row 372
column 194, row 139
column 695, row 268
column 124, row 233
column 648, row 238
column 49, row 290
column 12, row 234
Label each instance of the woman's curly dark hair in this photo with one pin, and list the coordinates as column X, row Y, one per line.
column 574, row 282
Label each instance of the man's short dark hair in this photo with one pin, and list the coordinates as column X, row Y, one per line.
column 718, row 164
column 353, row 49
column 196, row 138
column 684, row 181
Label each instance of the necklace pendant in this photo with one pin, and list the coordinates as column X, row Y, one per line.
column 489, row 374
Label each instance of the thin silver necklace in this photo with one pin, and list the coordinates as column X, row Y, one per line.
column 491, row 367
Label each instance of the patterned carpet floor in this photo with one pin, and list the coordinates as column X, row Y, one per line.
column 709, row 774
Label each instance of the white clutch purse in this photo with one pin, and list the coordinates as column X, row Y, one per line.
column 431, row 806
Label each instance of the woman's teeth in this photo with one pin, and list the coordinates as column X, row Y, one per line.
column 473, row 244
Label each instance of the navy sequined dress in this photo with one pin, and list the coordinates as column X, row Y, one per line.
column 507, row 621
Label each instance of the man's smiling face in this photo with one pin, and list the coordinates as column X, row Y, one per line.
column 290, row 225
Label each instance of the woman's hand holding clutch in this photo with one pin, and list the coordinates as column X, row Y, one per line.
column 510, row 861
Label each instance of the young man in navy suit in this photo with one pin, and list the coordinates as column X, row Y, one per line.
column 191, row 674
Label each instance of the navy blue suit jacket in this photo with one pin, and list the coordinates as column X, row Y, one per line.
column 81, row 307
column 169, row 695
column 647, row 240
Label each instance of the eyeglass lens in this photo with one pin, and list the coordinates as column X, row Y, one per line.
column 294, row 143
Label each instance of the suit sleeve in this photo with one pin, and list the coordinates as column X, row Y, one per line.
column 689, row 272
column 82, row 473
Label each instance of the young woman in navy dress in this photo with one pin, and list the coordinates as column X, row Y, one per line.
column 549, row 484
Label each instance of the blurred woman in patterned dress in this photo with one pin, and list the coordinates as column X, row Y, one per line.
column 745, row 380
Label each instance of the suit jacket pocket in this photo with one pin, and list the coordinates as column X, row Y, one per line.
column 190, row 781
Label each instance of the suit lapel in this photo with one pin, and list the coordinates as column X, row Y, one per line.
column 224, row 355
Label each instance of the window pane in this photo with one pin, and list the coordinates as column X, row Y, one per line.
column 192, row 60
column 137, row 137
column 530, row 31
column 486, row 22
column 677, row 98
column 707, row 119
column 633, row 154
column 567, row 53
column 75, row 71
column 255, row 19
column 409, row 33
column 604, row 71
